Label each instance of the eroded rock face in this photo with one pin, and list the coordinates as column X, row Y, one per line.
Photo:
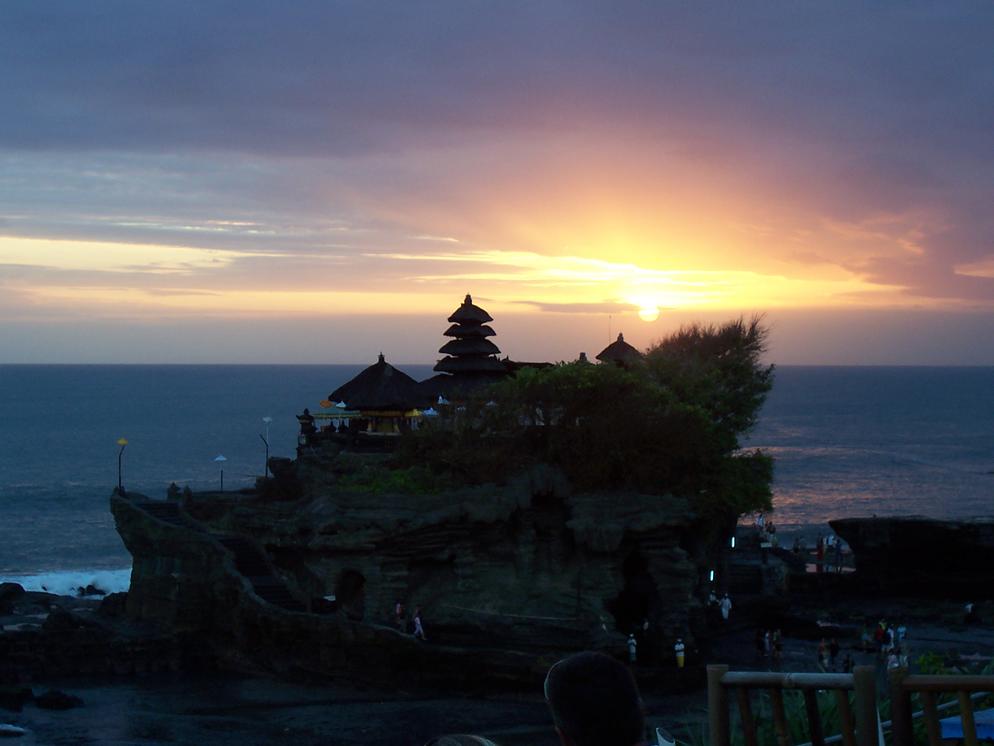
column 524, row 570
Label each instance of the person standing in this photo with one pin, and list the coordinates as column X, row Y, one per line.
column 632, row 649
column 725, row 606
column 679, row 648
column 419, row 630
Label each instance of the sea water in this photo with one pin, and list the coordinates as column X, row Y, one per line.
column 847, row 442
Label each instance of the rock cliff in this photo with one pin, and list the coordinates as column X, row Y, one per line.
column 507, row 577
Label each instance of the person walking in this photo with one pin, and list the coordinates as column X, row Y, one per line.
column 725, row 606
column 419, row 630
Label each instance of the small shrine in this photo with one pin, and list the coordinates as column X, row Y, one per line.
column 381, row 400
column 620, row 353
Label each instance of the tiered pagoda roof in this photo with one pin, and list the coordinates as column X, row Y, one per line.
column 469, row 352
column 620, row 353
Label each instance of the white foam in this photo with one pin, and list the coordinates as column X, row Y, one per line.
column 68, row 582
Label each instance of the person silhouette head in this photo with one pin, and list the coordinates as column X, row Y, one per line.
column 594, row 701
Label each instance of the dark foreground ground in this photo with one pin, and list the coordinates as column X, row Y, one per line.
column 244, row 711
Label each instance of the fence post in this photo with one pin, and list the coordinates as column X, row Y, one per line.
column 719, row 733
column 900, row 708
column 865, row 691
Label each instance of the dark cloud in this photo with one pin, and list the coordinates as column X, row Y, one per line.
column 333, row 78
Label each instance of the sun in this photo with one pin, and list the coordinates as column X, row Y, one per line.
column 649, row 312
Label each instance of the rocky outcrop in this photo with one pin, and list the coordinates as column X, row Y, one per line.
column 44, row 636
column 922, row 556
column 506, row 577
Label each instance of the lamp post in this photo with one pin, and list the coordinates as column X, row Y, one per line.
column 265, row 440
column 120, row 457
column 219, row 460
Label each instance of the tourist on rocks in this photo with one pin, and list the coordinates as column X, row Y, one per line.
column 880, row 637
column 419, row 630
column 632, row 649
column 866, row 639
column 893, row 659
column 725, row 606
column 595, row 701
column 891, row 639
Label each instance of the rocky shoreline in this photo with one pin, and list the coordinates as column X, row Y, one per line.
column 138, row 703
column 216, row 628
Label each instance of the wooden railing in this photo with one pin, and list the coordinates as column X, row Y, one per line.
column 858, row 720
column 903, row 685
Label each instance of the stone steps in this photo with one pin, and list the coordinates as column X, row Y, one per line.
column 168, row 512
column 249, row 559
column 251, row 563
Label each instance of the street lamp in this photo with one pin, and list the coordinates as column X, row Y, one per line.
column 265, row 440
column 120, row 455
column 219, row 460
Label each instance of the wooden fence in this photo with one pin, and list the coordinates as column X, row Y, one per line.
column 903, row 685
column 858, row 718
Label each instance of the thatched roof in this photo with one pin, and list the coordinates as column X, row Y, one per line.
column 456, row 387
column 467, row 313
column 459, row 330
column 470, row 365
column 469, row 346
column 620, row 353
column 380, row 386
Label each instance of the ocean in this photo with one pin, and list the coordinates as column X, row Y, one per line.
column 847, row 442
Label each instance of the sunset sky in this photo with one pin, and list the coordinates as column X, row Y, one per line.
column 317, row 182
